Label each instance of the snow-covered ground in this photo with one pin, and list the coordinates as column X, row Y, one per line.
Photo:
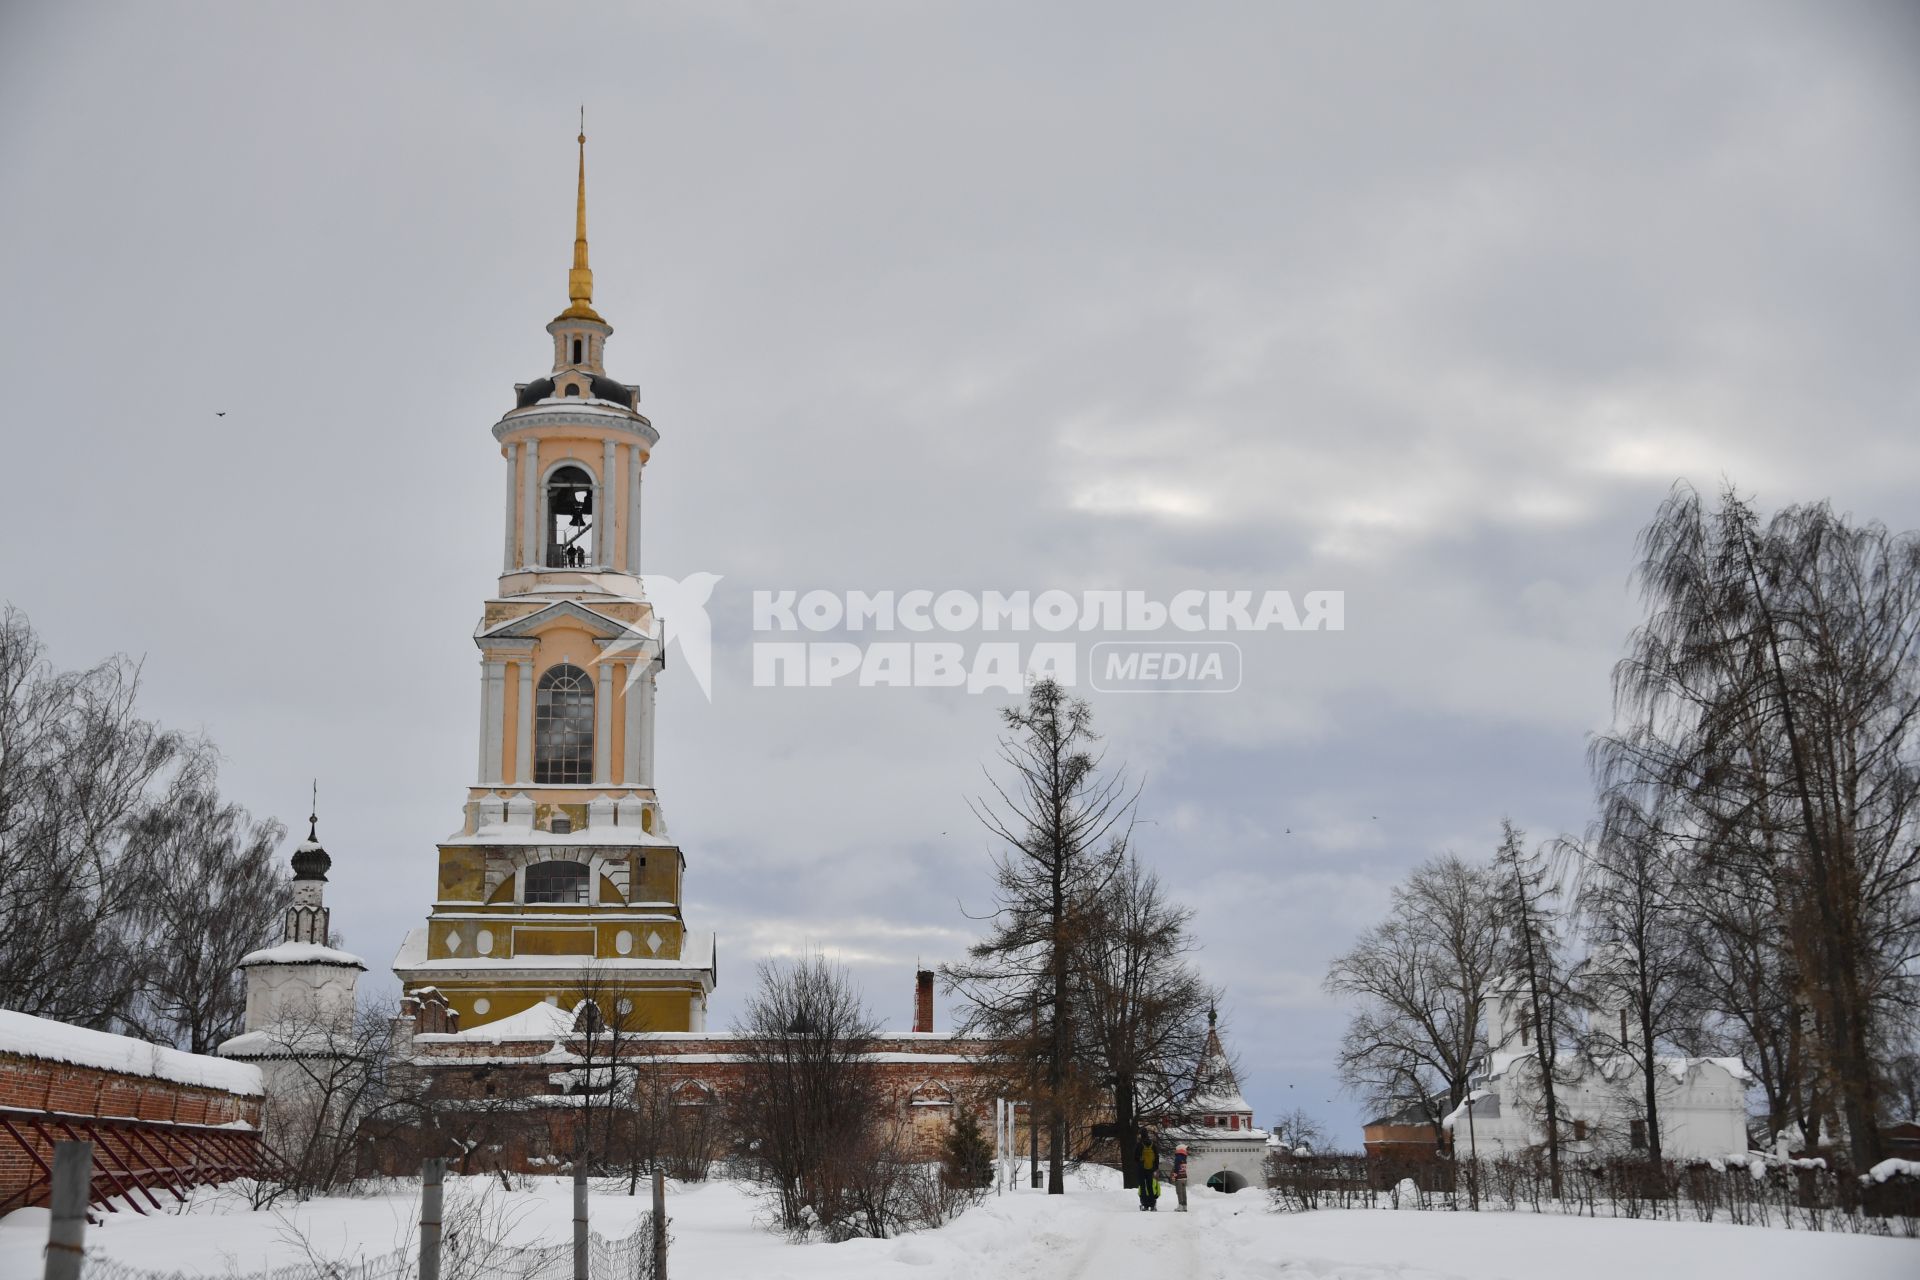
column 1094, row 1231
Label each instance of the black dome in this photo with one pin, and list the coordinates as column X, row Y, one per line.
column 605, row 388
column 598, row 384
column 310, row 861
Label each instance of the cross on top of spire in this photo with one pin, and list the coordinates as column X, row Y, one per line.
column 310, row 861
column 580, row 278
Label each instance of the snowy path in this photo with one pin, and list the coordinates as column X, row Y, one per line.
column 1102, row 1235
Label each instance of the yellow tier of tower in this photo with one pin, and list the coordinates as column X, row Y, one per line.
column 562, row 885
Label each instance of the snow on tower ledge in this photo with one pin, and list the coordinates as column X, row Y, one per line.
column 301, row 953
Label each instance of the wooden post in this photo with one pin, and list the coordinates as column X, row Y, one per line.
column 659, row 1225
column 580, row 1259
column 71, row 1188
column 433, row 1173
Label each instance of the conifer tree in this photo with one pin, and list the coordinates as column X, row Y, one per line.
column 1061, row 827
column 1532, row 954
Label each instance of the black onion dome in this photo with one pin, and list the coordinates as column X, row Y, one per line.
column 310, row 861
column 534, row 392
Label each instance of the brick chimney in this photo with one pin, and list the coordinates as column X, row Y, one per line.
column 923, row 1000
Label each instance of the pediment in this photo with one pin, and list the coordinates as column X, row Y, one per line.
column 561, row 612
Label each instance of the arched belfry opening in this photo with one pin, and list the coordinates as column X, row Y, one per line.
column 570, row 516
column 564, row 883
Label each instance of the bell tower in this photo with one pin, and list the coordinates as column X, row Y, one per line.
column 562, row 884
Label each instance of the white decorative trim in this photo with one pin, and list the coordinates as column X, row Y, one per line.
column 523, row 726
column 633, row 510
column 603, row 726
column 513, row 492
column 605, row 527
column 611, row 418
column 496, row 694
column 530, row 504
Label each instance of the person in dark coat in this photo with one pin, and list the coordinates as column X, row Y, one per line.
column 1149, row 1161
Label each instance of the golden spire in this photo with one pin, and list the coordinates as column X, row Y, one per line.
column 580, row 279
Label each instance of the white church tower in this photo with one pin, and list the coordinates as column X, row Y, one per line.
column 302, row 987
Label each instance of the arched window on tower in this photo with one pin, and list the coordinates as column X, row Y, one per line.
column 576, row 351
column 563, row 727
column 569, row 518
column 562, row 882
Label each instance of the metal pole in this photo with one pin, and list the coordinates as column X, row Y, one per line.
column 433, row 1175
column 659, row 1224
column 1033, row 1142
column 1473, row 1152
column 580, row 1266
column 999, row 1146
column 71, row 1187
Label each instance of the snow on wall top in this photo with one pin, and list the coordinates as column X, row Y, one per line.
column 43, row 1038
column 301, row 953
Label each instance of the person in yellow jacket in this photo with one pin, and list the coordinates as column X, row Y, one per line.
column 1149, row 1160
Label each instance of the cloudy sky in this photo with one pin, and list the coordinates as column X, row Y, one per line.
column 1428, row 304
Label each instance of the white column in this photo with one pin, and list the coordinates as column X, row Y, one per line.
column 646, row 728
column 530, row 503
column 603, row 726
column 633, row 732
column 496, row 723
column 480, row 771
column 603, row 521
column 523, row 746
column 513, row 477
column 633, row 509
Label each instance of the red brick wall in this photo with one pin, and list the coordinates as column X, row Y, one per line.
column 36, row 1084
column 490, row 1074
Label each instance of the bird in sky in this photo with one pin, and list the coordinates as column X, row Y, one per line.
column 219, row 413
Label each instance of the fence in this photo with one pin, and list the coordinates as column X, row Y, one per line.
column 1745, row 1191
column 443, row 1252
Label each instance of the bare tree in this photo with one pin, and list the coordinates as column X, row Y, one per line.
column 1141, row 1004
column 1642, row 978
column 129, row 889
column 1061, row 827
column 212, row 888
column 807, row 1091
column 1531, row 956
column 327, row 1076
column 1299, row 1132
column 77, row 766
column 606, row 1025
column 1421, row 978
column 1775, row 692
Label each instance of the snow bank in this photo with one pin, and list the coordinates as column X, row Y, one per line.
column 1893, row 1169
column 44, row 1038
column 1096, row 1229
